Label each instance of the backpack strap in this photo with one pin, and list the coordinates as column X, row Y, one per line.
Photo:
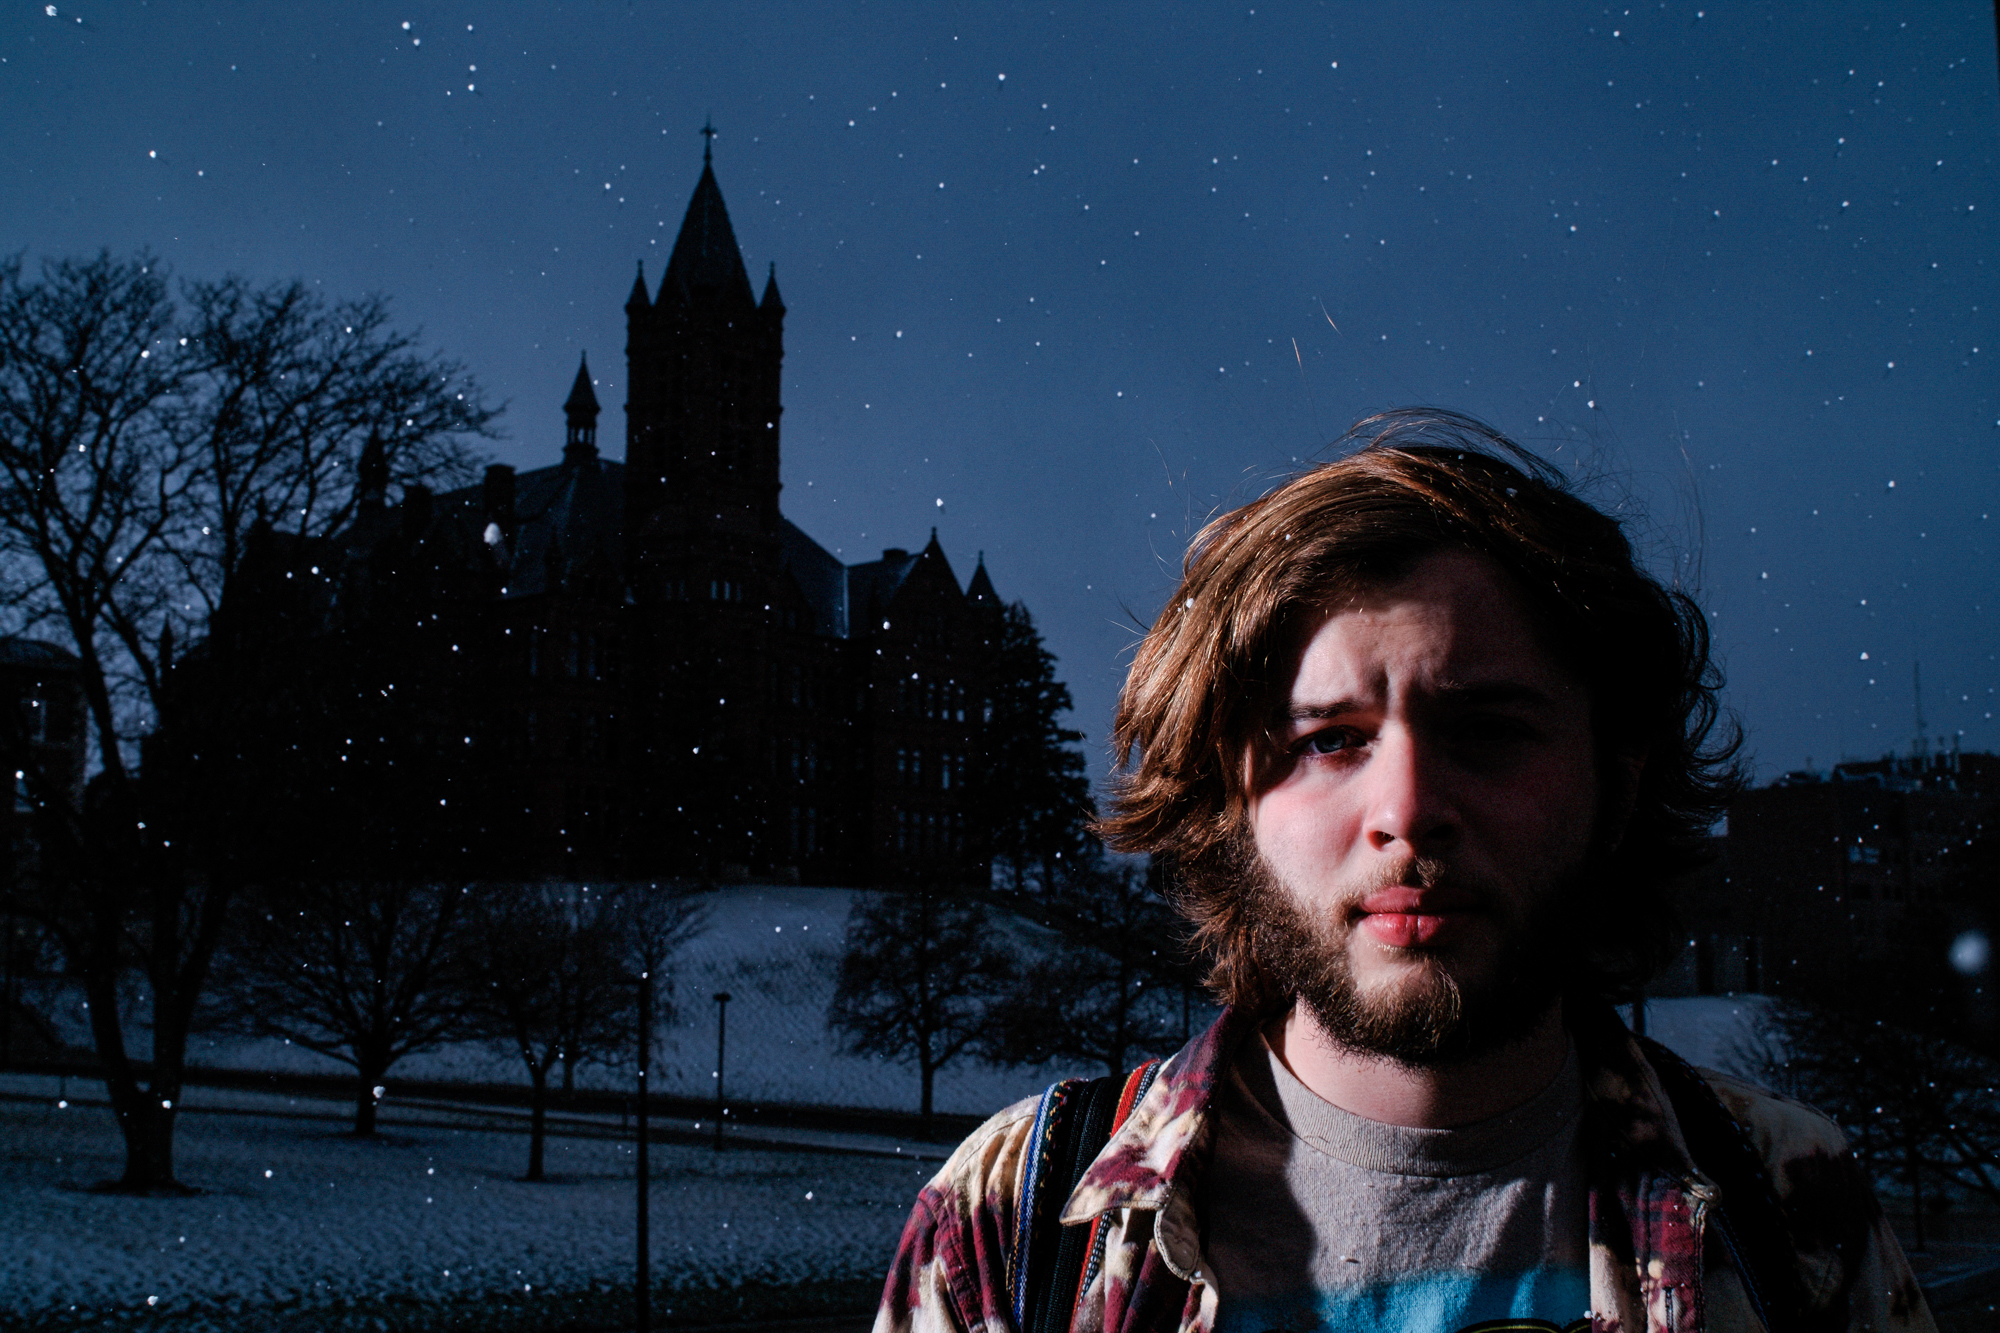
column 1076, row 1118
column 1747, row 1219
column 1136, row 1084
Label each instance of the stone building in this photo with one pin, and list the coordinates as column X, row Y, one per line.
column 660, row 674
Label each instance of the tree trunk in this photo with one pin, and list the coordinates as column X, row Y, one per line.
column 149, row 1149
column 369, row 1072
column 146, row 1126
column 538, row 1119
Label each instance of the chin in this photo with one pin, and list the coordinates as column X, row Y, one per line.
column 1421, row 1009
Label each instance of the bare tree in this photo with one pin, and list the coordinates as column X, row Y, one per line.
column 658, row 921
column 1105, row 980
column 1914, row 1103
column 358, row 971
column 139, row 443
column 917, row 980
column 548, row 971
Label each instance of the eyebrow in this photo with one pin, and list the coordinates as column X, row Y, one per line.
column 1451, row 694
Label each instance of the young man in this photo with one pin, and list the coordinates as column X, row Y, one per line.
column 1424, row 746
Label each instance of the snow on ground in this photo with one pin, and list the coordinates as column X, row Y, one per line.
column 298, row 1218
column 776, row 950
column 1730, row 1033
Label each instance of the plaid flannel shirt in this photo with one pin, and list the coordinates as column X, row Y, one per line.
column 1649, row 1266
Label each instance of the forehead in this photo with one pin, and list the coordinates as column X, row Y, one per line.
column 1455, row 619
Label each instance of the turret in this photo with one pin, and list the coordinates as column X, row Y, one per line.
column 581, row 410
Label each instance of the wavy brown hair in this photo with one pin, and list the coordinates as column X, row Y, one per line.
column 1211, row 676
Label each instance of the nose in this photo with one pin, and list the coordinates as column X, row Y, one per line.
column 1409, row 799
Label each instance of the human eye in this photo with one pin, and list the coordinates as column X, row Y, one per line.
column 1328, row 740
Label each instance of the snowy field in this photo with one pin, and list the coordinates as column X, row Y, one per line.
column 776, row 950
column 1724, row 1032
column 301, row 1228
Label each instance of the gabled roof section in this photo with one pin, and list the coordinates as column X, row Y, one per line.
column 569, row 520
column 706, row 260
column 872, row 585
column 820, row 576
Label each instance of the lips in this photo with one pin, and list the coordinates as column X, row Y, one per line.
column 1407, row 918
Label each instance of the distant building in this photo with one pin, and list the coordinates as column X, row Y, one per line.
column 661, row 674
column 42, row 739
column 1824, row 867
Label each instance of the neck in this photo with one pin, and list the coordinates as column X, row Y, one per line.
column 1420, row 1097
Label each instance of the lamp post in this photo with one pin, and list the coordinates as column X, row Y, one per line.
column 642, row 1293
column 721, row 1036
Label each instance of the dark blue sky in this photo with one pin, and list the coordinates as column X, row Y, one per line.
column 1735, row 260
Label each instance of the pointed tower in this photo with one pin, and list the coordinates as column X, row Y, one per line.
column 580, row 445
column 703, row 362
column 979, row 592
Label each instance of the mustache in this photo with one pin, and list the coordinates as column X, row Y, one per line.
column 1423, row 873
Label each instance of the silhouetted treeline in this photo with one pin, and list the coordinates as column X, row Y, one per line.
column 1091, row 968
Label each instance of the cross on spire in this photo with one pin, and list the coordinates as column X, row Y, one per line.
column 707, row 136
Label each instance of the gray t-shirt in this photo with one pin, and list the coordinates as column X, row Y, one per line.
column 1318, row 1219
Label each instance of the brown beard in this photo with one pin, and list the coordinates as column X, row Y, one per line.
column 1436, row 1020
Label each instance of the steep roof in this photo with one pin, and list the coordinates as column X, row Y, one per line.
column 820, row 576
column 582, row 398
column 565, row 517
column 980, row 591
column 706, row 259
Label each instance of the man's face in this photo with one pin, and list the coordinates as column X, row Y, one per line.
column 1423, row 828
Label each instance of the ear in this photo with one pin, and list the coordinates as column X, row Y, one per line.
column 1622, row 772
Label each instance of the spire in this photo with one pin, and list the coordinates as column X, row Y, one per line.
column 373, row 470
column 772, row 304
column 706, row 261
column 707, row 137
column 638, row 300
column 581, row 409
column 980, row 591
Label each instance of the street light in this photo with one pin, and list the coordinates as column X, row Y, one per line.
column 721, row 1036
column 642, row 1293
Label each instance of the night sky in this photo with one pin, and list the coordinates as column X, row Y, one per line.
column 1063, row 281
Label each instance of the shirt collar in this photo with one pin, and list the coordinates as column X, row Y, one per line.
column 1161, row 1148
